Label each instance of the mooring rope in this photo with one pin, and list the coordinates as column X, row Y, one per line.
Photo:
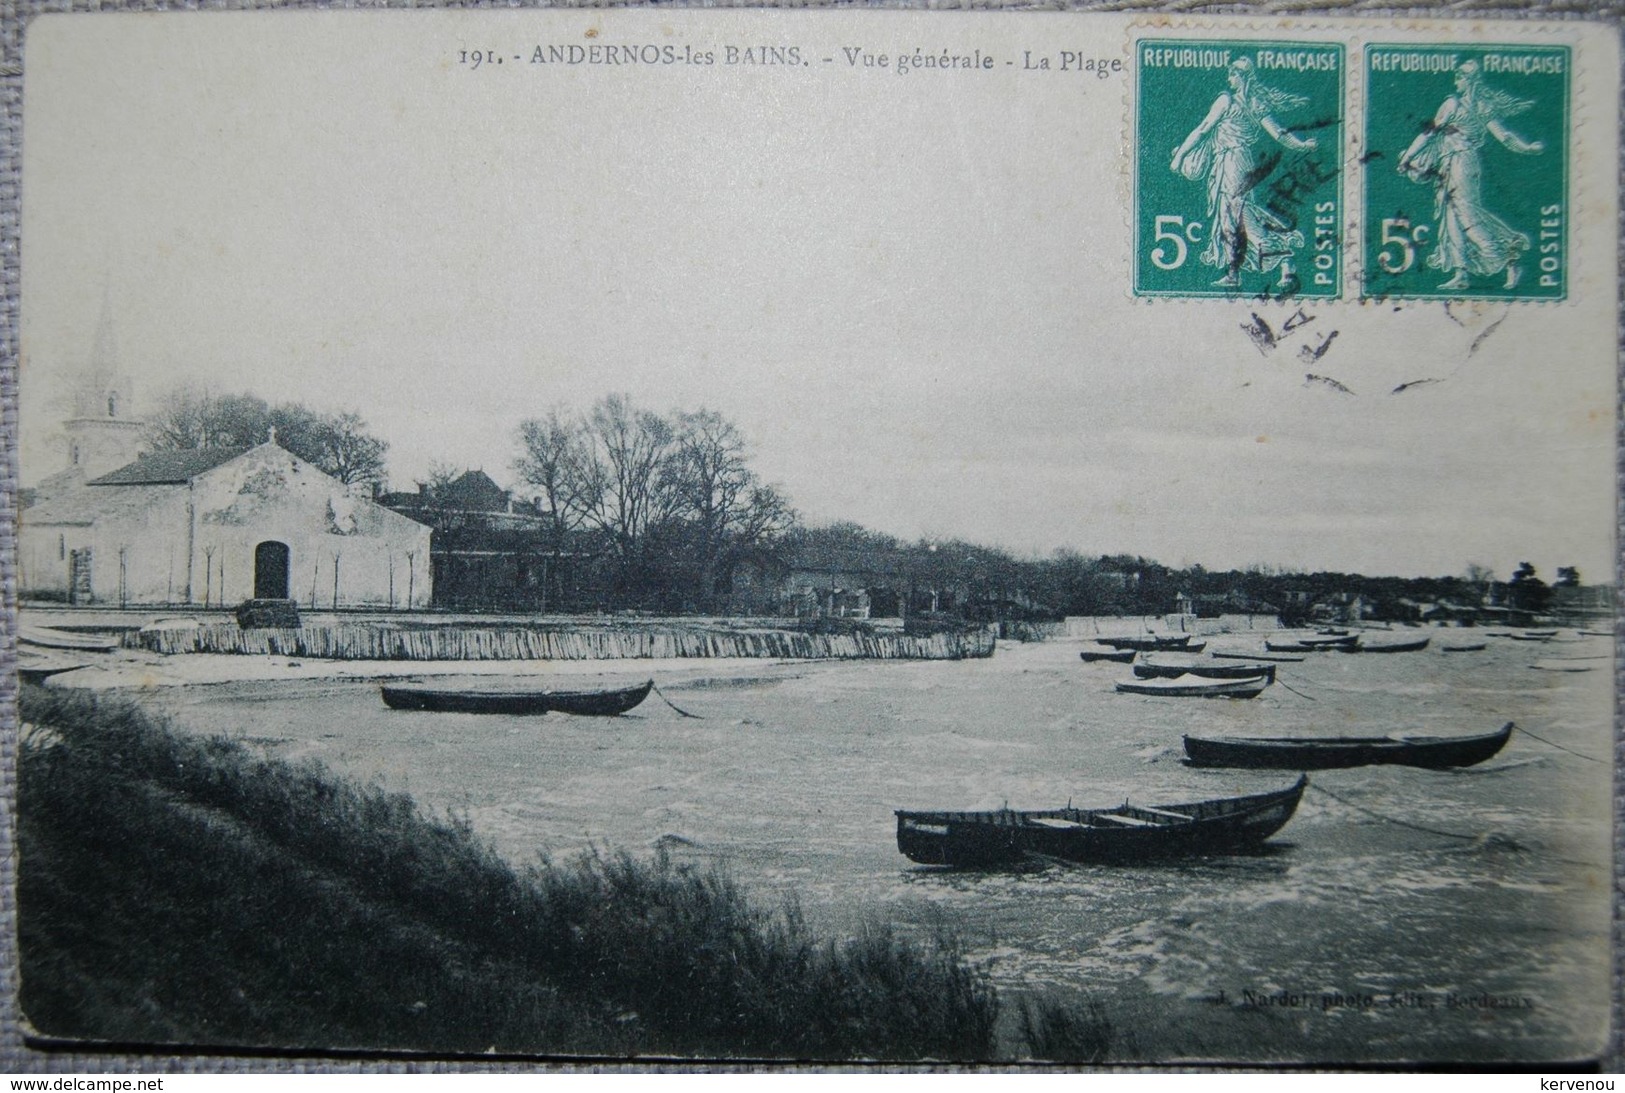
column 1389, row 819
column 1559, row 747
column 1448, row 834
column 1295, row 691
column 674, row 705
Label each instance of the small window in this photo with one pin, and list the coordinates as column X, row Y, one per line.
column 61, row 547
column 73, row 453
column 112, row 404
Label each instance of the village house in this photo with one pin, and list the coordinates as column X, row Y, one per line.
column 1212, row 605
column 492, row 550
column 864, row 583
column 216, row 526
column 1583, row 603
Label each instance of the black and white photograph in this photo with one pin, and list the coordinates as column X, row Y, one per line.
column 675, row 536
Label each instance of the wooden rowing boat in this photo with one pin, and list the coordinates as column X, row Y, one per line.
column 1153, row 669
column 1312, row 645
column 1149, row 643
column 36, row 668
column 1128, row 833
column 1115, row 656
column 1336, row 752
column 47, row 638
column 1468, row 647
column 1195, row 687
column 600, row 703
column 1260, row 656
column 1387, row 647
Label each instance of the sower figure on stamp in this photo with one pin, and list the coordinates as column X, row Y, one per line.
column 1472, row 241
column 1223, row 149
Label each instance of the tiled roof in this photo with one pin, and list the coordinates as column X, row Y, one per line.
column 168, row 468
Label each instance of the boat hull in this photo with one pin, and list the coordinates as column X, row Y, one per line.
column 1396, row 647
column 1312, row 645
column 1148, row 644
column 1188, row 687
column 598, row 703
column 1115, row 656
column 1259, row 656
column 37, row 669
column 46, row 638
column 520, row 703
column 1303, row 753
column 1153, row 670
column 1122, row 835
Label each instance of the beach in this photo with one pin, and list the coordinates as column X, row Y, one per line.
column 1402, row 915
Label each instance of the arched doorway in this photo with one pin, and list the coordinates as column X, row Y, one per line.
column 271, row 571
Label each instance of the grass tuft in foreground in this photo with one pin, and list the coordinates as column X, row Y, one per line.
column 1060, row 1034
column 181, row 889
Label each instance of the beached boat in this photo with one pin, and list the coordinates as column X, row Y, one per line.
column 1273, row 659
column 36, row 668
column 47, row 638
column 1115, row 656
column 600, row 703
column 1387, row 647
column 1194, row 687
column 1560, row 665
column 1465, row 647
column 1149, row 643
column 1312, row 645
column 1532, row 636
column 1154, row 669
column 1128, row 833
column 1329, row 752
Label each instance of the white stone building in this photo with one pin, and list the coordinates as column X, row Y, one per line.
column 214, row 527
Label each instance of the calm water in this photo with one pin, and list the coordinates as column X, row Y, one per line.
column 791, row 777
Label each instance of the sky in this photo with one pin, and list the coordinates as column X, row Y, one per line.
column 911, row 292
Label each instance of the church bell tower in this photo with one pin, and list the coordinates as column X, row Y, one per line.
column 102, row 434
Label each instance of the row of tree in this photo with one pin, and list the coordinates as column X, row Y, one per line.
column 671, row 504
column 339, row 444
column 673, row 496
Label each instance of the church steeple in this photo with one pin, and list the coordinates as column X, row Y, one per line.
column 103, row 434
column 102, row 391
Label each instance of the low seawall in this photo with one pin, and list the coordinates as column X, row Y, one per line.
column 360, row 641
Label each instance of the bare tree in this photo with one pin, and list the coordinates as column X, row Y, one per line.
column 350, row 454
column 552, row 453
column 193, row 417
column 674, row 498
column 622, row 482
column 439, row 477
column 726, row 508
column 554, row 461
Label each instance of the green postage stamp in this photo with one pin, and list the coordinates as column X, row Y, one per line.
column 1238, row 187
column 1465, row 159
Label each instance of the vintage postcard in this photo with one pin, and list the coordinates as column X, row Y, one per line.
column 814, row 536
